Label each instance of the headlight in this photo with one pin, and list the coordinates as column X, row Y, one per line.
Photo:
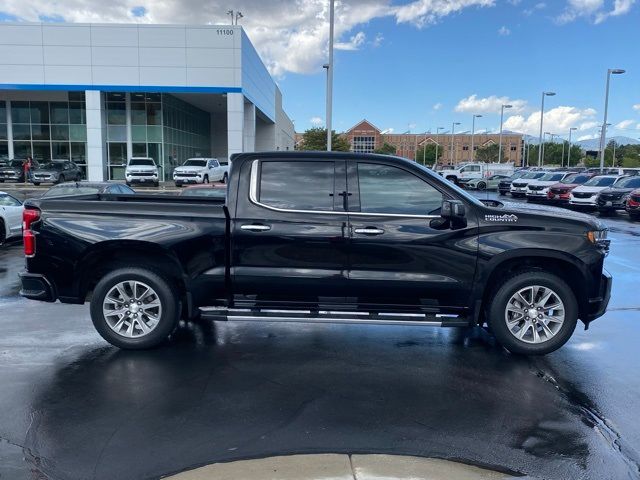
column 597, row 236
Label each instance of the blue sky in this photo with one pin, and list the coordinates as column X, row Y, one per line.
column 421, row 64
column 415, row 77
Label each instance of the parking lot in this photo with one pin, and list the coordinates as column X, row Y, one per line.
column 71, row 406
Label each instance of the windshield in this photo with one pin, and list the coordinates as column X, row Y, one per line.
column 551, row 177
column 533, row 175
column 633, row 182
column 577, row 178
column 193, row 162
column 600, row 182
column 205, row 192
column 53, row 165
column 66, row 190
column 142, row 161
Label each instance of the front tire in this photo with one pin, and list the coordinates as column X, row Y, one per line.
column 482, row 185
column 60, row 179
column 134, row 308
column 225, row 178
column 502, row 193
column 533, row 313
column 205, row 179
column 36, row 183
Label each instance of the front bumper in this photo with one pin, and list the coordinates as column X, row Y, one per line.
column 36, row 287
column 141, row 179
column 187, row 180
column 616, row 204
column 537, row 194
column 583, row 202
column 598, row 305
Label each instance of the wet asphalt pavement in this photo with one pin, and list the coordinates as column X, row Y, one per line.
column 73, row 407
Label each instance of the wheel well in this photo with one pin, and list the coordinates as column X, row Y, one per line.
column 96, row 266
column 561, row 268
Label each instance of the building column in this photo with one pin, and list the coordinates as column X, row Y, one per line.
column 235, row 123
column 10, row 130
column 249, row 137
column 127, row 103
column 96, row 161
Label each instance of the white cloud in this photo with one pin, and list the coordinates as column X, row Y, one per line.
column 557, row 120
column 378, row 40
column 354, row 43
column 437, row 106
column 491, row 104
column 316, row 121
column 387, row 130
column 536, row 7
column 587, row 137
column 623, row 125
column 596, row 10
column 638, row 126
column 588, row 125
column 636, row 107
column 290, row 35
column 504, row 31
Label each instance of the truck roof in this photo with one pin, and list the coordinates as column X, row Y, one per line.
column 310, row 154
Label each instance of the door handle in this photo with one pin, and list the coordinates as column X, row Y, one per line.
column 369, row 231
column 255, row 228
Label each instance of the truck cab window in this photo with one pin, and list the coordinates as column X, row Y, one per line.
column 387, row 189
column 297, row 185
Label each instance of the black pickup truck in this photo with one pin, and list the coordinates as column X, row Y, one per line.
column 319, row 237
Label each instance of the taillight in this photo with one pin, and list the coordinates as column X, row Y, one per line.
column 633, row 202
column 29, row 216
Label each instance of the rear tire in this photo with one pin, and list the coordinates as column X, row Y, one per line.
column 521, row 333
column 147, row 330
column 225, row 178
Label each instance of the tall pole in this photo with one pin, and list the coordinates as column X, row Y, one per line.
column 453, row 128
column 330, row 74
column 613, row 159
column 473, row 132
column 603, row 133
column 528, row 153
column 540, row 150
column 569, row 154
column 544, row 140
column 562, row 158
column 501, row 122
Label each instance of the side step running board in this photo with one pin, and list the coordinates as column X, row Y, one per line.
column 326, row 316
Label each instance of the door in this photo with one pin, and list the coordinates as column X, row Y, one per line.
column 289, row 232
column 400, row 252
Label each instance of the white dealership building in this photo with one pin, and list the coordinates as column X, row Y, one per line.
column 99, row 94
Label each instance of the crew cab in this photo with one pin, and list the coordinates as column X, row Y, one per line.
column 319, row 237
column 142, row 170
column 200, row 170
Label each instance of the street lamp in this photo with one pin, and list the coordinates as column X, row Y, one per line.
column 603, row 134
column 544, row 141
column 473, row 131
column 569, row 154
column 435, row 162
column 500, row 141
column 330, row 74
column 453, row 128
column 238, row 16
column 544, row 94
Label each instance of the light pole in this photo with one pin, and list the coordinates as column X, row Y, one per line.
column 544, row 141
column 500, row 141
column 572, row 129
column 603, row 134
column 238, row 16
column 473, row 132
column 330, row 75
column 453, row 128
column 230, row 13
column 435, row 162
column 540, row 150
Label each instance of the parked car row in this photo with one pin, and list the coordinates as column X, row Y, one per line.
column 51, row 171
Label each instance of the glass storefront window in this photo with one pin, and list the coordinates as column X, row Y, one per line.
column 116, row 113
column 3, row 111
column 21, row 149
column 78, row 133
column 138, row 114
column 41, row 151
column 154, row 116
column 117, row 160
column 60, row 150
column 3, row 131
column 154, row 134
column 21, row 132
column 79, row 152
column 59, row 132
column 138, row 133
column 116, row 133
column 77, row 113
column 20, row 112
column 60, row 113
column 139, row 149
column 76, row 96
column 115, row 96
column 39, row 112
column 4, row 149
column 39, row 132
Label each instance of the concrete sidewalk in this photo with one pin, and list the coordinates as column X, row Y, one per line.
column 340, row 467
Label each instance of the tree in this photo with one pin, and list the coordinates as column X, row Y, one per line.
column 426, row 155
column 488, row 153
column 386, row 149
column 316, row 139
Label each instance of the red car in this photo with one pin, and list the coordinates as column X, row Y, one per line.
column 633, row 205
column 560, row 192
column 209, row 190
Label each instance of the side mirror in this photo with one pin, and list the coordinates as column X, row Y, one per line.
column 452, row 210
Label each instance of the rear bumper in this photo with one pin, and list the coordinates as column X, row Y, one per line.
column 598, row 305
column 36, row 287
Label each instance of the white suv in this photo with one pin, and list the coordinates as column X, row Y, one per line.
column 200, row 170
column 586, row 195
column 141, row 170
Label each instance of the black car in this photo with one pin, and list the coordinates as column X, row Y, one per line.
column 505, row 185
column 13, row 170
column 55, row 171
column 615, row 197
column 319, row 237
column 86, row 188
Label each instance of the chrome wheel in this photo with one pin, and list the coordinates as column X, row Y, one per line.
column 132, row 309
column 534, row 314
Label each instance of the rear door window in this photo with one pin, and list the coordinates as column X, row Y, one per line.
column 297, row 185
